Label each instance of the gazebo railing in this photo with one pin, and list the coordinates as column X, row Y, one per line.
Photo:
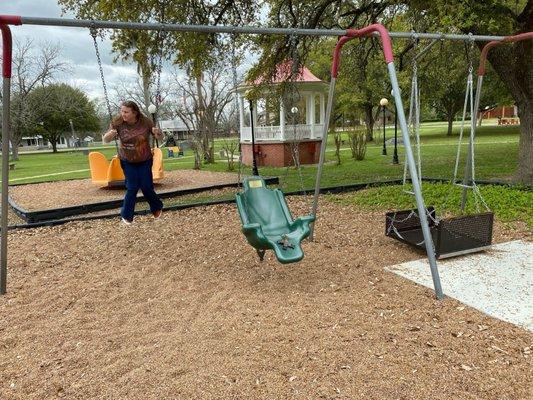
column 292, row 132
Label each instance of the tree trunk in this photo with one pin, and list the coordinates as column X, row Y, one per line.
column 15, row 148
column 369, row 122
column 524, row 172
column 197, row 157
column 337, row 138
column 54, row 146
column 449, row 117
column 146, row 87
column 514, row 63
column 202, row 120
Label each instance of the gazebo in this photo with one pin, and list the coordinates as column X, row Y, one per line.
column 276, row 129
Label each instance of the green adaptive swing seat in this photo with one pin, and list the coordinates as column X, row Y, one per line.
column 267, row 222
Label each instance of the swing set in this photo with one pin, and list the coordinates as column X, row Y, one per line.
column 465, row 233
column 264, row 225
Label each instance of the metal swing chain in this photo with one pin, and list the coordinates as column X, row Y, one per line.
column 159, row 64
column 158, row 69
column 469, row 102
column 94, row 34
column 473, row 119
column 468, row 99
column 295, row 144
column 414, row 117
column 236, row 106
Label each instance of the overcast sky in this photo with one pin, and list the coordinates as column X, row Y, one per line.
column 76, row 45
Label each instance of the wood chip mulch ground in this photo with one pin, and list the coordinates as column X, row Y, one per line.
column 47, row 195
column 181, row 308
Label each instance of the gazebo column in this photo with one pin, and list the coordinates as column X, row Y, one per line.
column 241, row 111
column 310, row 114
column 322, row 108
column 254, row 116
column 281, row 120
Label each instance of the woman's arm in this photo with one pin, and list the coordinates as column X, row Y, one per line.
column 110, row 135
column 158, row 134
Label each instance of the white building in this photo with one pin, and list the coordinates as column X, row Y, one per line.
column 175, row 128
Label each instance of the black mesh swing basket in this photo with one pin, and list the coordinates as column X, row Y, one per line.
column 451, row 236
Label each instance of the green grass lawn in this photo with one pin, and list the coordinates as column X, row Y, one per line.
column 508, row 204
column 496, row 158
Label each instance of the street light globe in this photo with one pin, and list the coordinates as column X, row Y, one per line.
column 294, row 110
column 383, row 102
column 152, row 108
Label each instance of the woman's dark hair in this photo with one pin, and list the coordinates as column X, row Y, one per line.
column 117, row 120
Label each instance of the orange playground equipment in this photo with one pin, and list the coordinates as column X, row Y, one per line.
column 110, row 174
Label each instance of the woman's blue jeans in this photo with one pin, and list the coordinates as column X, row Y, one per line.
column 139, row 176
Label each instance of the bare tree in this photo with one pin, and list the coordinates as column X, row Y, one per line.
column 32, row 68
column 203, row 107
column 135, row 90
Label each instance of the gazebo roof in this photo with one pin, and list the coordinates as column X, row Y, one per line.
column 283, row 73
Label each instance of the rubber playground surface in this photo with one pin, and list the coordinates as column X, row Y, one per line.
column 181, row 308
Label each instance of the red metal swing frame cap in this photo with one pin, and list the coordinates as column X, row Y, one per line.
column 10, row 20
column 494, row 43
column 366, row 31
column 7, row 42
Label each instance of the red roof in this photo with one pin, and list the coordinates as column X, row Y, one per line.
column 283, row 72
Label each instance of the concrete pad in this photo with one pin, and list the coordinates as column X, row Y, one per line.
column 498, row 282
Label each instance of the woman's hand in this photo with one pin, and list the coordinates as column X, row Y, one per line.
column 157, row 132
column 110, row 135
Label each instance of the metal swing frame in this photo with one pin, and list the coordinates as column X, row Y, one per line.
column 7, row 20
column 389, row 59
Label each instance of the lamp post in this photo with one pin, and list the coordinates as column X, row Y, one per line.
column 152, row 109
column 294, row 111
column 395, row 154
column 383, row 103
column 255, row 172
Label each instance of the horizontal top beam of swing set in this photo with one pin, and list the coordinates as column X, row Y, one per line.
column 18, row 20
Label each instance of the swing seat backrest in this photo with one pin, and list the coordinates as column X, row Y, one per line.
column 157, row 166
column 263, row 206
column 115, row 172
column 104, row 173
column 99, row 166
column 266, row 220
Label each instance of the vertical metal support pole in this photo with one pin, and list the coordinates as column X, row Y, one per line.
column 6, row 129
column 323, row 145
column 428, row 241
column 5, row 181
column 255, row 172
column 469, row 167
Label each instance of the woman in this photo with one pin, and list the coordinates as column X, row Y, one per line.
column 133, row 130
